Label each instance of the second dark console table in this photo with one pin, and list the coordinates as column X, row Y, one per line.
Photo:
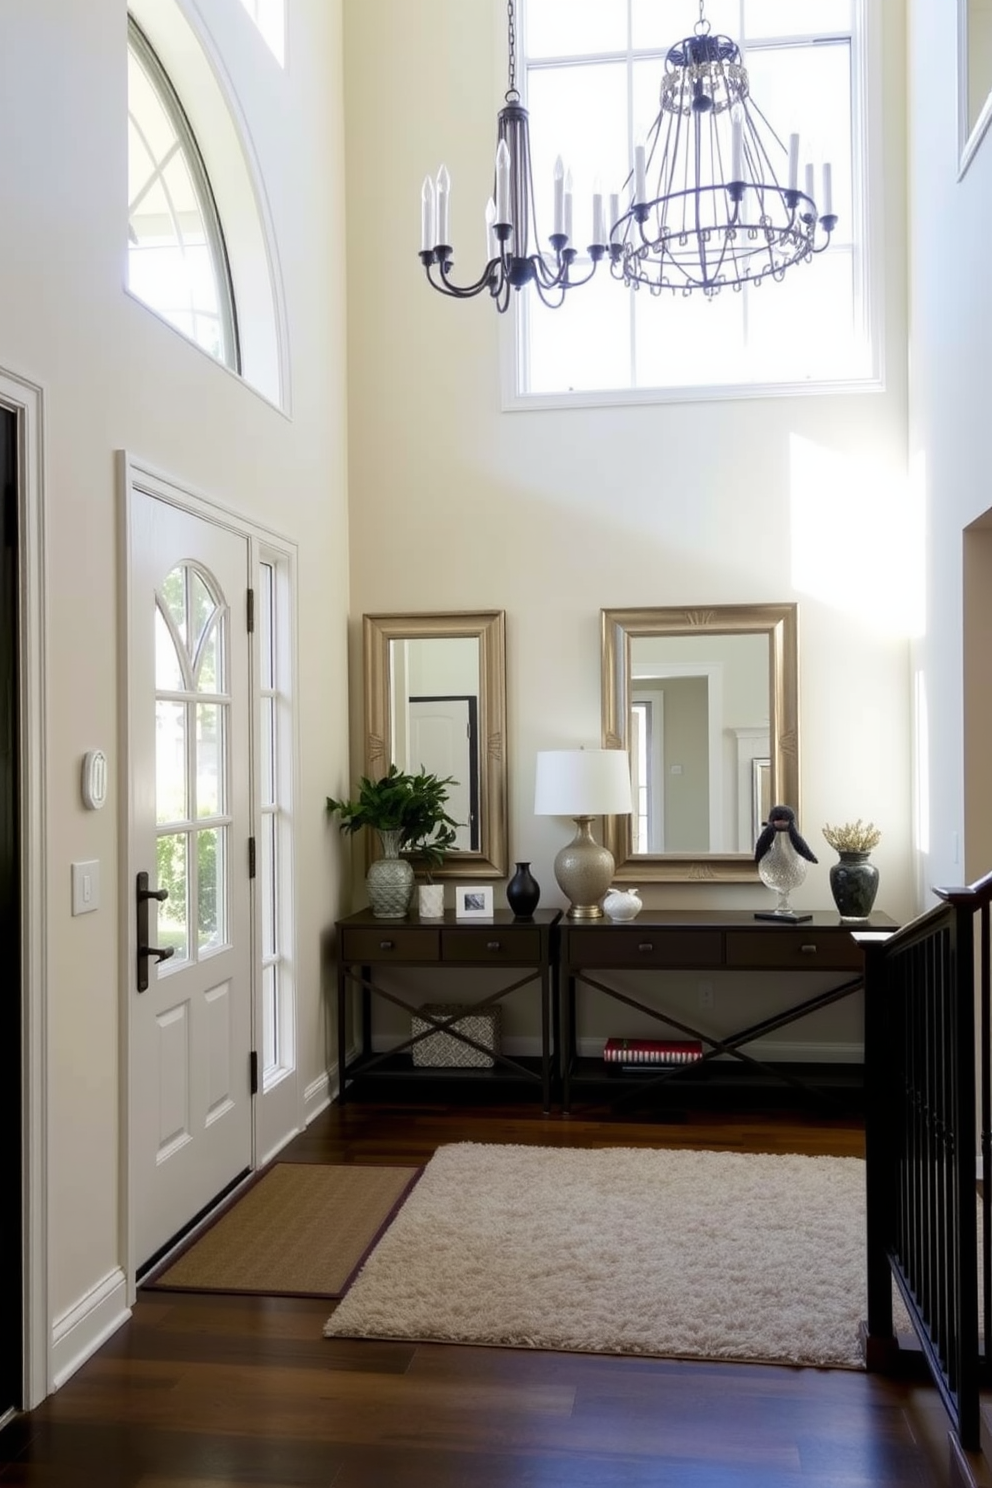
column 697, row 940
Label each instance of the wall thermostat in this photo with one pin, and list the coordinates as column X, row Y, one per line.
column 94, row 779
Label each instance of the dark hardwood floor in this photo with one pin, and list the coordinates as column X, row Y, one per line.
column 203, row 1391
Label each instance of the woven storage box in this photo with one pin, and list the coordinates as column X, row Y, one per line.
column 441, row 1051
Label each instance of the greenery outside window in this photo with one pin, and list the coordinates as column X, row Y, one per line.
column 591, row 73
column 177, row 259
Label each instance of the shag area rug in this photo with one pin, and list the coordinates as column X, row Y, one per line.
column 714, row 1255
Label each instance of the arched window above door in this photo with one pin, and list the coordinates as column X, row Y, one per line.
column 177, row 256
column 234, row 258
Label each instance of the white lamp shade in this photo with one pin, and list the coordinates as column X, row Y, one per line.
column 582, row 782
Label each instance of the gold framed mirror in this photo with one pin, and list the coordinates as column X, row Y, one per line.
column 706, row 702
column 435, row 696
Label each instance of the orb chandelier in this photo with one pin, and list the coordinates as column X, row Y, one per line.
column 714, row 195
column 513, row 261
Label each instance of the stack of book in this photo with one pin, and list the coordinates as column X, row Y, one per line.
column 642, row 1056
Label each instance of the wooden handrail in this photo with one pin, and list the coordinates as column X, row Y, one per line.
column 972, row 895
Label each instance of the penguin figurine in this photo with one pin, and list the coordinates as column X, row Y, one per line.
column 781, row 855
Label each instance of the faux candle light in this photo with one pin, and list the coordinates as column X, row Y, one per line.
column 502, row 183
column 427, row 238
column 443, row 190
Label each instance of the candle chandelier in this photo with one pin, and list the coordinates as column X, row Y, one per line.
column 707, row 206
column 512, row 262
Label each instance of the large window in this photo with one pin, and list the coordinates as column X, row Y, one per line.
column 591, row 74
column 177, row 262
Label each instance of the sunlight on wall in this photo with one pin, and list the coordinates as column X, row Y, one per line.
column 270, row 18
column 921, row 790
column 857, row 537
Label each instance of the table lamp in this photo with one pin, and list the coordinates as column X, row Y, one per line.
column 583, row 784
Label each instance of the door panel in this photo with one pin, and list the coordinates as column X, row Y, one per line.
column 189, row 702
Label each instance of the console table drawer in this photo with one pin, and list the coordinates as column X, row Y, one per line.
column 494, row 943
column 389, row 944
column 807, row 949
column 650, row 946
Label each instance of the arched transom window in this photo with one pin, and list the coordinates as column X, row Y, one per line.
column 177, row 260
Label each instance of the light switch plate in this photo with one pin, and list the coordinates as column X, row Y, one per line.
column 85, row 887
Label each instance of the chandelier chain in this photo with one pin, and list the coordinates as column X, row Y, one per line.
column 511, row 48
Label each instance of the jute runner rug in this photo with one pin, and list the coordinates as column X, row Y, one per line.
column 712, row 1255
column 301, row 1231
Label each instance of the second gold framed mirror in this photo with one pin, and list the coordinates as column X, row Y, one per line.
column 706, row 702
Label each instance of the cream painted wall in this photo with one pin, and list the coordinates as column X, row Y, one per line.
column 115, row 377
column 552, row 515
column 950, row 327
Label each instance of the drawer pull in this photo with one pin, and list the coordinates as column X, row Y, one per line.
column 646, row 945
column 492, row 945
column 385, row 945
column 808, row 950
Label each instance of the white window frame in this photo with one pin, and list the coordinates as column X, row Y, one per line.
column 270, row 560
column 866, row 190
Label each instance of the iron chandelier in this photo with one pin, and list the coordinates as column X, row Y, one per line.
column 510, row 215
column 708, row 208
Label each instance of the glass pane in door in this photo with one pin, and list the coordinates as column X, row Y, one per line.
column 209, row 759
column 170, row 762
column 211, row 888
column 173, row 874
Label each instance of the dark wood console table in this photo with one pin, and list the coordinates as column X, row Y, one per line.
column 367, row 944
column 697, row 940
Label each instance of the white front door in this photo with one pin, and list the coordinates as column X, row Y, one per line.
column 189, row 725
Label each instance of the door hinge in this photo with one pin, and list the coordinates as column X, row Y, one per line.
column 250, row 611
column 253, row 1071
column 251, row 857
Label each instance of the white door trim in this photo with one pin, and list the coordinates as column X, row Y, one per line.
column 137, row 473
column 26, row 400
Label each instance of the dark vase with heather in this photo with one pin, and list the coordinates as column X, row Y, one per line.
column 854, row 878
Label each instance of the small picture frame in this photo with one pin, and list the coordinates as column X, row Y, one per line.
column 473, row 902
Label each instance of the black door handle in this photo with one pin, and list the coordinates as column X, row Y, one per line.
column 161, row 953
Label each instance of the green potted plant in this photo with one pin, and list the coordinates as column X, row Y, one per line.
column 408, row 812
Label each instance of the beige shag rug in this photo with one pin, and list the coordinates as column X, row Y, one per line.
column 714, row 1255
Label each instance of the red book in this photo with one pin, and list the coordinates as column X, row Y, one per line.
column 652, row 1051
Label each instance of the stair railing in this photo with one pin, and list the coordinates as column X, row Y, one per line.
column 928, row 1092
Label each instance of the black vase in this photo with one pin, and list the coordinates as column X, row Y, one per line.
column 523, row 892
column 854, row 883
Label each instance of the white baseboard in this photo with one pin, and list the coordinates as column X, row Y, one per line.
column 78, row 1333
column 317, row 1096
